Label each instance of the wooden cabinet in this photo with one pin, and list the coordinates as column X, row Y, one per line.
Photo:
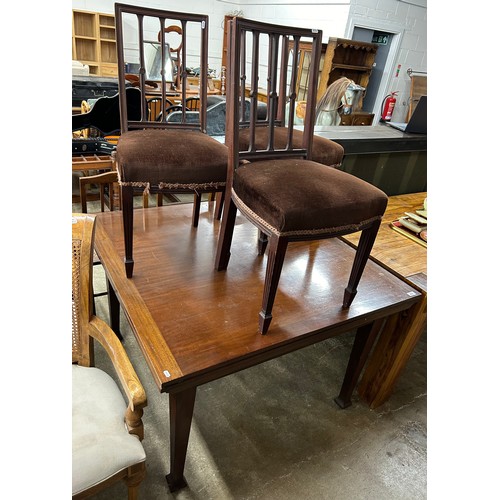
column 356, row 118
column 348, row 58
column 94, row 42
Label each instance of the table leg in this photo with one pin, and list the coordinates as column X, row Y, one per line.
column 363, row 342
column 392, row 351
column 114, row 310
column 181, row 415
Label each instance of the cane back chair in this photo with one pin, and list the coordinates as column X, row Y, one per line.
column 106, row 432
column 276, row 185
column 167, row 156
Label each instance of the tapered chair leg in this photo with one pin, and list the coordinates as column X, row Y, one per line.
column 365, row 246
column 262, row 243
column 219, row 204
column 196, row 209
column 275, row 259
column 128, row 227
column 225, row 234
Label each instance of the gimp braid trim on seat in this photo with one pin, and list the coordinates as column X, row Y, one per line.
column 194, row 187
column 146, row 185
column 350, row 228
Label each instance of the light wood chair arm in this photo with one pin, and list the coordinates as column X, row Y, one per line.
column 130, row 382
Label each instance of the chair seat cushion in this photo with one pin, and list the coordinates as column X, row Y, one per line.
column 295, row 196
column 323, row 150
column 101, row 444
column 186, row 158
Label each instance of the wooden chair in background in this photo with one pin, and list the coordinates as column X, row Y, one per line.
column 106, row 431
column 108, row 195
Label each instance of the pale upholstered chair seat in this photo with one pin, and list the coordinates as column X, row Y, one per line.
column 102, row 445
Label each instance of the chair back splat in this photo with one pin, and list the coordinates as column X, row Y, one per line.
column 249, row 45
column 157, row 72
column 166, row 150
column 277, row 177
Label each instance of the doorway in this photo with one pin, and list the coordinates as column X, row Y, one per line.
column 383, row 41
column 363, row 29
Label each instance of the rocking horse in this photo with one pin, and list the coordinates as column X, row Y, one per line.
column 342, row 97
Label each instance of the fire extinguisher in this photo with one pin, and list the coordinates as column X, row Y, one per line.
column 388, row 106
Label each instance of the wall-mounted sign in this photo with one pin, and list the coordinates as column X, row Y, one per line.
column 380, row 38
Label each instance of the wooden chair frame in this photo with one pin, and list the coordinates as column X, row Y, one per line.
column 127, row 124
column 281, row 40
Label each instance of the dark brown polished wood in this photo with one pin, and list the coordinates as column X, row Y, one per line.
column 195, row 325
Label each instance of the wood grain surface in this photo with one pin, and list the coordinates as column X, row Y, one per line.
column 195, row 324
column 392, row 249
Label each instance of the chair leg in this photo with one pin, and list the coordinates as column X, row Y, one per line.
column 219, row 204
column 114, row 310
column 137, row 474
column 365, row 246
column 128, row 227
column 196, row 209
column 225, row 234
column 101, row 196
column 275, row 259
column 83, row 196
column 262, row 243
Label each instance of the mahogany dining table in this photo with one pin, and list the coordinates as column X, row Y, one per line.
column 195, row 324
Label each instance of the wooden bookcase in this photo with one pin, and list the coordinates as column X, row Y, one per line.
column 94, row 42
column 348, row 58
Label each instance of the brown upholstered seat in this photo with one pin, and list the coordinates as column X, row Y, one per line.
column 171, row 158
column 323, row 150
column 155, row 153
column 331, row 202
column 272, row 178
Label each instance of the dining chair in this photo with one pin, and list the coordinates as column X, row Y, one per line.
column 164, row 156
column 154, row 107
column 105, row 182
column 275, row 183
column 106, row 430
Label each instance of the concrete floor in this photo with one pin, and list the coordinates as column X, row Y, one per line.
column 274, row 431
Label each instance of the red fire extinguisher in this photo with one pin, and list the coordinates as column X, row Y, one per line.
column 388, row 106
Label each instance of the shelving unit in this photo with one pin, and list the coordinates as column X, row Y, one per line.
column 94, row 42
column 348, row 58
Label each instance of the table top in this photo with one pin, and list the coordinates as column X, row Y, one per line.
column 397, row 252
column 195, row 324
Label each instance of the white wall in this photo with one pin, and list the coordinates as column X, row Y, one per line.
column 407, row 19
